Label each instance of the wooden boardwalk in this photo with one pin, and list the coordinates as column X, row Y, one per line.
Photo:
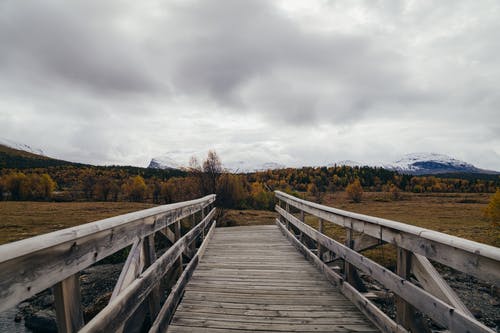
column 253, row 279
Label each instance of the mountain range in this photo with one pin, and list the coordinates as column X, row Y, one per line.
column 415, row 164
column 18, row 155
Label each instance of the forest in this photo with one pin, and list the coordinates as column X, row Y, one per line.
column 253, row 190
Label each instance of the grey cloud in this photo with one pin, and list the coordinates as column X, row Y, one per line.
column 73, row 44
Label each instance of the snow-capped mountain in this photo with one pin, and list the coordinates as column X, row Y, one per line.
column 21, row 146
column 349, row 163
column 430, row 163
column 169, row 162
column 164, row 162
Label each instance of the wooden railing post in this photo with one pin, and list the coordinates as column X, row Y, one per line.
column 318, row 244
column 177, row 232
column 67, row 299
column 150, row 257
column 351, row 275
column 404, row 312
column 287, row 208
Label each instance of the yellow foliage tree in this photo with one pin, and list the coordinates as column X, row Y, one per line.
column 492, row 212
column 354, row 191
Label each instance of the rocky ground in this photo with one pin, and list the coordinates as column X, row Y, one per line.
column 97, row 284
column 481, row 298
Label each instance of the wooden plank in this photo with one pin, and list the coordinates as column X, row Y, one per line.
column 404, row 311
column 67, row 299
column 263, row 293
column 32, row 265
column 123, row 306
column 436, row 309
column 373, row 313
column 476, row 259
column 432, row 281
column 131, row 269
column 168, row 308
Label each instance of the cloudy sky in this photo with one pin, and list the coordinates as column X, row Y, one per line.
column 295, row 82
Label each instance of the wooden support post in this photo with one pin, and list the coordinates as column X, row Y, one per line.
column 193, row 243
column 155, row 295
column 351, row 275
column 320, row 248
column 203, row 229
column 287, row 208
column 303, row 219
column 405, row 313
column 68, row 304
column 177, row 232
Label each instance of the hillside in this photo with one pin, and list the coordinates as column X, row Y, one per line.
column 12, row 158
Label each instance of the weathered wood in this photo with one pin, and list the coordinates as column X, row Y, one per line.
column 319, row 248
column 404, row 311
column 154, row 297
column 351, row 275
column 124, row 305
column 168, row 308
column 436, row 309
column 374, row 314
column 432, row 281
column 476, row 259
column 32, row 265
column 67, row 299
column 365, row 242
column 131, row 269
column 278, row 283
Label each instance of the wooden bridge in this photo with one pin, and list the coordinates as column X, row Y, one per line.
column 183, row 274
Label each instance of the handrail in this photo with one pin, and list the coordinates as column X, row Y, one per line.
column 477, row 259
column 55, row 259
column 435, row 298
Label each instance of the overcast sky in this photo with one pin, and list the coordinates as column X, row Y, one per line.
column 295, row 82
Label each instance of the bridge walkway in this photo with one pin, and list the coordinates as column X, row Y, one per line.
column 252, row 279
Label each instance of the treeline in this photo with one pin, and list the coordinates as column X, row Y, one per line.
column 337, row 178
column 117, row 183
column 71, row 183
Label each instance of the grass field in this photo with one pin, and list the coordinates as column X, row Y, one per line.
column 23, row 219
column 456, row 214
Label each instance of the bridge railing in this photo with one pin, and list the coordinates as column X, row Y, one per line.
column 415, row 246
column 55, row 259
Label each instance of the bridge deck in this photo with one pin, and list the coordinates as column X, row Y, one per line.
column 253, row 279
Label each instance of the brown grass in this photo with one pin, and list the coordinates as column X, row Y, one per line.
column 23, row 219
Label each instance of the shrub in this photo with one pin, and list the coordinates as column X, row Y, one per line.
column 354, row 191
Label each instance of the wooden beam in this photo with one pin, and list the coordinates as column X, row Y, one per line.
column 155, row 295
column 351, row 275
column 123, row 306
column 168, row 308
column 67, row 299
column 404, row 311
column 374, row 314
column 432, row 282
column 35, row 264
column 432, row 306
column 479, row 260
column 131, row 269
column 365, row 242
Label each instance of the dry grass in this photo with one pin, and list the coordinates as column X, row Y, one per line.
column 23, row 219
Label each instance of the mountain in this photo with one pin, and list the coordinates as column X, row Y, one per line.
column 20, row 146
column 432, row 163
column 414, row 164
column 14, row 155
column 167, row 162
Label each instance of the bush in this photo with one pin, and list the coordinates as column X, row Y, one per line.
column 354, row 191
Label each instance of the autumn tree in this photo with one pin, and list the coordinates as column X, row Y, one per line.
column 135, row 188
column 212, row 169
column 492, row 212
column 232, row 190
column 18, row 185
column 354, row 191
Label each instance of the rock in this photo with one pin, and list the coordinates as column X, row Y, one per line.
column 43, row 321
column 47, row 301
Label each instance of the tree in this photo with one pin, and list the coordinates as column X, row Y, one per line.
column 212, row 169
column 135, row 188
column 492, row 212
column 354, row 191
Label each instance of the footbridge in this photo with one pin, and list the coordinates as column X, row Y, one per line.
column 185, row 274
